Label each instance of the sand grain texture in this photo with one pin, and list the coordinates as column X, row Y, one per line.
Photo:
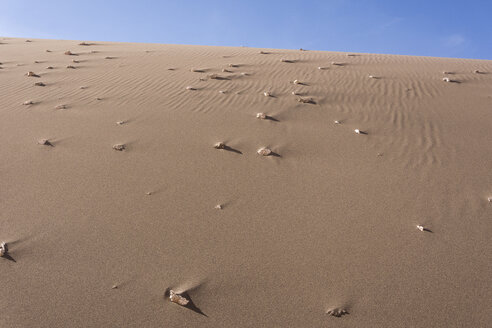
column 329, row 224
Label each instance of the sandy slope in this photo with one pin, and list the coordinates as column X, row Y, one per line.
column 330, row 222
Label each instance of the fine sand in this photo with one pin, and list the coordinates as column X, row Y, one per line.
column 147, row 185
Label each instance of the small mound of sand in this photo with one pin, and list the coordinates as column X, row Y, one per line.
column 68, row 53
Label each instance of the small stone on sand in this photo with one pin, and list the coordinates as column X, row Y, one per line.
column 39, row 84
column 68, row 53
column 120, row 122
column 336, row 122
column 220, row 145
column 49, row 67
column 4, row 249
column 178, row 299
column 267, row 94
column 61, row 106
column 306, row 100
column 70, row 66
column 28, row 102
column 296, row 82
column 44, row 142
column 264, row 151
column 32, row 74
column 446, row 79
column 357, row 131
column 114, row 287
column 421, row 228
column 190, row 88
column 337, row 312
column 218, row 207
column 261, row 116
column 119, row 147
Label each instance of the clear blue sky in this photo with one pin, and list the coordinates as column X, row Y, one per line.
column 443, row 28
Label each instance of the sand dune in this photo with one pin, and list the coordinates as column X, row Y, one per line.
column 148, row 185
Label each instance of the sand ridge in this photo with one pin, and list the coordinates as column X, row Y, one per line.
column 267, row 187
